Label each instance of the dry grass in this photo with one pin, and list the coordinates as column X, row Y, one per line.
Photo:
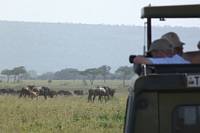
column 71, row 114
column 62, row 114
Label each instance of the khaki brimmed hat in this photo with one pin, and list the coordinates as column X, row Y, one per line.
column 161, row 44
column 173, row 38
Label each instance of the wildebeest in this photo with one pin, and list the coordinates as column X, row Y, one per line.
column 43, row 91
column 102, row 92
column 35, row 91
column 52, row 93
column 27, row 92
column 64, row 93
column 78, row 92
column 110, row 91
column 8, row 91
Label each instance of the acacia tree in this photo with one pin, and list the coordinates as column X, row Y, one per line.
column 8, row 73
column 104, row 71
column 91, row 73
column 124, row 72
column 17, row 71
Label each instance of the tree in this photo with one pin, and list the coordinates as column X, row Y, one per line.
column 67, row 74
column 91, row 73
column 104, row 71
column 124, row 72
column 47, row 76
column 7, row 73
column 31, row 74
column 17, row 71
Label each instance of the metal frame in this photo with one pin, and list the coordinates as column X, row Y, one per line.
column 178, row 11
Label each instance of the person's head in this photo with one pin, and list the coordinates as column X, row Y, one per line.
column 161, row 48
column 198, row 45
column 174, row 39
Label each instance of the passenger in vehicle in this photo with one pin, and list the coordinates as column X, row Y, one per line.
column 173, row 38
column 162, row 52
column 193, row 56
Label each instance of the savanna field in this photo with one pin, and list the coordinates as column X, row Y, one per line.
column 63, row 114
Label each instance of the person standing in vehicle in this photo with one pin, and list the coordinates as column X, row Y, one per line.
column 162, row 52
column 174, row 39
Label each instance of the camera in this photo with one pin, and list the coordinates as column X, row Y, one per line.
column 131, row 58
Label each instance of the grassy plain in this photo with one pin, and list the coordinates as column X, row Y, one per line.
column 62, row 114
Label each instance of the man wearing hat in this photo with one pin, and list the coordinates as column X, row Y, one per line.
column 174, row 39
column 162, row 52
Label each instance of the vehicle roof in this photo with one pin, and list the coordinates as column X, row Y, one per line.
column 174, row 11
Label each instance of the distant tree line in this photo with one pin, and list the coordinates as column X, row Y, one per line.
column 17, row 73
column 91, row 74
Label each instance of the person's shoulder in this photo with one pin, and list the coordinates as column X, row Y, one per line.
column 181, row 59
column 177, row 55
column 159, row 60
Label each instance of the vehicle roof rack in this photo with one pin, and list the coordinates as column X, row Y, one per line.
column 169, row 11
column 177, row 11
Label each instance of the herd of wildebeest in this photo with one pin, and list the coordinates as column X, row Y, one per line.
column 104, row 93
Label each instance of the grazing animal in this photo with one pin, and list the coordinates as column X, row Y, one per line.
column 43, row 91
column 90, row 94
column 34, row 91
column 78, row 92
column 52, row 94
column 110, row 91
column 64, row 93
column 100, row 91
column 8, row 91
column 27, row 92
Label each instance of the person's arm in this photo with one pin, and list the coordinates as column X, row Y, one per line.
column 141, row 60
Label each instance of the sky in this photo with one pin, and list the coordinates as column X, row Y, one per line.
column 112, row 12
column 108, row 12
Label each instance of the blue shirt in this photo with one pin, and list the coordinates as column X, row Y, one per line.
column 176, row 59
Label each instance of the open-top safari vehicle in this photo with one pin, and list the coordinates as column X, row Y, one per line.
column 166, row 98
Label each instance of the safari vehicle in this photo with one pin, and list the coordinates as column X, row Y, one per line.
column 165, row 98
